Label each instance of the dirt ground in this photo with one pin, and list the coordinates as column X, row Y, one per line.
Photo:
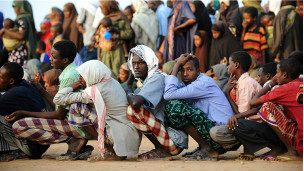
column 227, row 162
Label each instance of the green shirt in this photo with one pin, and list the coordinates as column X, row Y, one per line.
column 69, row 76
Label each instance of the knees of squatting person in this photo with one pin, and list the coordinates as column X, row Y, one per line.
column 225, row 137
column 146, row 109
column 195, row 106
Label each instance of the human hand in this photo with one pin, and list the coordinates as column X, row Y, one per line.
column 231, row 83
column 244, row 25
column 224, row 61
column 36, row 83
column 177, row 31
column 15, row 116
column 210, row 73
column 232, row 123
column 76, row 85
column 2, row 32
column 183, row 59
column 273, row 81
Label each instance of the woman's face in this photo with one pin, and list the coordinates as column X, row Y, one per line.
column 197, row 41
column 103, row 10
column 66, row 12
column 216, row 34
column 123, row 75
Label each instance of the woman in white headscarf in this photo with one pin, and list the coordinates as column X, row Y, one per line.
column 144, row 24
column 109, row 110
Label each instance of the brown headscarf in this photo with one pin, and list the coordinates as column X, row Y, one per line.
column 70, row 31
column 201, row 52
column 52, row 78
column 111, row 10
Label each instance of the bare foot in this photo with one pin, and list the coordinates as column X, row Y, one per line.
column 211, row 152
column 76, row 144
column 273, row 153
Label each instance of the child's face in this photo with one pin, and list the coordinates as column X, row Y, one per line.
column 53, row 33
column 197, row 41
column 248, row 19
column 103, row 29
column 266, row 21
column 128, row 14
column 43, row 29
column 263, row 78
column 216, row 34
column 189, row 73
column 231, row 67
column 123, row 75
column 6, row 24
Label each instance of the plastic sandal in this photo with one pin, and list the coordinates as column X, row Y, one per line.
column 246, row 157
column 199, row 156
column 152, row 155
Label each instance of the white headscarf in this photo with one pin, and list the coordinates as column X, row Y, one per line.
column 95, row 72
column 91, row 6
column 146, row 54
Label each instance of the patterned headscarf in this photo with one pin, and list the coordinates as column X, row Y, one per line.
column 146, row 54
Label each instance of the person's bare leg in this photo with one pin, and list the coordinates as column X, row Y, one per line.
column 204, row 146
column 290, row 151
column 158, row 147
column 76, row 144
column 92, row 131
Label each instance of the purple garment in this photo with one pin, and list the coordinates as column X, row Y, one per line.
column 182, row 44
column 204, row 94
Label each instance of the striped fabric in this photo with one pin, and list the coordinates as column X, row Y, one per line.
column 273, row 114
column 255, row 42
column 44, row 131
column 146, row 122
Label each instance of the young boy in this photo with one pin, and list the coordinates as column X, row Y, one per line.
column 266, row 73
column 55, row 123
column 253, row 37
column 195, row 106
column 56, row 32
column 288, row 123
column 40, row 52
column 245, row 88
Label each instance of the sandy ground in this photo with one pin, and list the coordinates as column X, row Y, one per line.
column 227, row 162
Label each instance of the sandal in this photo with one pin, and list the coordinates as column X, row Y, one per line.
column 190, row 153
column 83, row 154
column 12, row 155
column 199, row 156
column 266, row 157
column 246, row 157
column 152, row 155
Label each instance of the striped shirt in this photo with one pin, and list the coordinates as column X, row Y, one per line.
column 255, row 42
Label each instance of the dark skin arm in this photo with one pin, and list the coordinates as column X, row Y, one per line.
column 180, row 62
column 230, row 86
column 42, row 91
column 59, row 115
column 232, row 122
column 135, row 101
column 185, row 24
column 244, row 25
column 256, row 99
column 15, row 35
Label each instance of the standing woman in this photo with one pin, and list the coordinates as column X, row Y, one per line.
column 114, row 57
column 70, row 30
column 144, row 24
column 27, row 32
column 181, row 29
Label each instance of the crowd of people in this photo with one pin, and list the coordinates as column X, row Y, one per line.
column 224, row 75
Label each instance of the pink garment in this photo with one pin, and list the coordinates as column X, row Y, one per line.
column 246, row 89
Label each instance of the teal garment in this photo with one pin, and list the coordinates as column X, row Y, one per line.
column 180, row 114
column 69, row 76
